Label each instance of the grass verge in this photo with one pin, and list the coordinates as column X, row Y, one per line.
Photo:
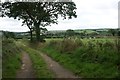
column 10, row 59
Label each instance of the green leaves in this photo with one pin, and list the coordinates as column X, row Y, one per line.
column 38, row 14
column 39, row 11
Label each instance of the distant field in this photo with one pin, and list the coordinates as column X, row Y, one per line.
column 85, row 39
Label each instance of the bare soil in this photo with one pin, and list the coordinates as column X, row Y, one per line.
column 56, row 68
column 26, row 70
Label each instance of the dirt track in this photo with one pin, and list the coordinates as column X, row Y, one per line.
column 59, row 71
column 26, row 70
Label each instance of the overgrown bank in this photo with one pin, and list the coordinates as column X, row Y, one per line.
column 91, row 59
column 11, row 61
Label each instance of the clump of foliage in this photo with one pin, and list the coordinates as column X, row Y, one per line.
column 7, row 34
column 70, row 32
column 65, row 46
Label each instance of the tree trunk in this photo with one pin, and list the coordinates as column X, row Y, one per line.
column 31, row 38
column 37, row 31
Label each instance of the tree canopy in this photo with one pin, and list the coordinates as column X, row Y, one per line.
column 113, row 31
column 39, row 14
column 8, row 34
column 70, row 32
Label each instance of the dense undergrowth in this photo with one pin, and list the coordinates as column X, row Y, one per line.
column 11, row 61
column 86, row 58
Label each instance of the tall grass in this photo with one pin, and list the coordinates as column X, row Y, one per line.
column 11, row 61
column 91, row 58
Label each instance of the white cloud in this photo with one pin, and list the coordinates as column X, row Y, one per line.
column 10, row 24
column 91, row 14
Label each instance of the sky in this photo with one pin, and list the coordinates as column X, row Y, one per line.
column 91, row 14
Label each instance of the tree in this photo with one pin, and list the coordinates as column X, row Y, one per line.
column 30, row 26
column 70, row 32
column 9, row 34
column 112, row 31
column 118, row 32
column 39, row 14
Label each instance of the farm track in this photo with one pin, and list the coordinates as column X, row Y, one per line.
column 26, row 70
column 56, row 68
